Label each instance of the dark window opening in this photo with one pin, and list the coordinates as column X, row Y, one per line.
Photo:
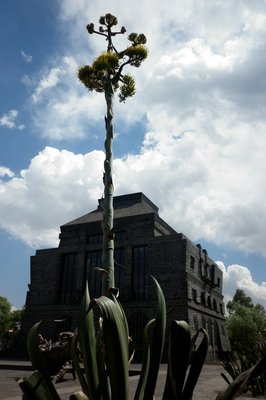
column 95, row 239
column 192, row 262
column 194, row 295
column 93, row 275
column 120, row 235
column 139, row 267
column 209, row 302
column 69, row 278
column 202, row 299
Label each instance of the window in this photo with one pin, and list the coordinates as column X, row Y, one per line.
column 202, row 299
column 95, row 239
column 196, row 322
column 139, row 266
column 209, row 302
column 119, row 256
column 69, row 277
column 221, row 309
column 218, row 282
column 194, row 295
column 120, row 235
column 214, row 305
column 192, row 262
column 93, row 276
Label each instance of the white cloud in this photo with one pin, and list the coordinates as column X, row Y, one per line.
column 9, row 120
column 62, row 109
column 202, row 94
column 26, row 57
column 47, row 82
column 239, row 277
column 4, row 171
column 56, row 187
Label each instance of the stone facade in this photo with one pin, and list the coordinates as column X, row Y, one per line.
column 145, row 245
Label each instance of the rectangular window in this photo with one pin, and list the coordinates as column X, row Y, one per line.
column 192, row 262
column 95, row 239
column 139, row 271
column 69, row 278
column 94, row 276
column 120, row 235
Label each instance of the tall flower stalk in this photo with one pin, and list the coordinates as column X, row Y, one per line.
column 106, row 75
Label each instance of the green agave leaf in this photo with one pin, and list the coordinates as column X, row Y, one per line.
column 139, row 395
column 78, row 396
column 122, row 314
column 76, row 363
column 238, row 385
column 115, row 346
column 178, row 359
column 38, row 360
column 35, row 388
column 87, row 338
column 196, row 363
column 157, row 344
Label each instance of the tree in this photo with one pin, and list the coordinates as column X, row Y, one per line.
column 5, row 315
column 246, row 325
column 241, row 298
column 106, row 76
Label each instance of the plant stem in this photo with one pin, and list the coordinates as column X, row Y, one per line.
column 108, row 211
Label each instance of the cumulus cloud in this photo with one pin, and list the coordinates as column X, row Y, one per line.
column 62, row 109
column 8, row 120
column 201, row 94
column 239, row 277
column 56, row 187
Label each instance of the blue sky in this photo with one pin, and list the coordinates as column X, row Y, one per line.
column 192, row 138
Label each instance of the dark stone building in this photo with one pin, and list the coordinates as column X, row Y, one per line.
column 144, row 245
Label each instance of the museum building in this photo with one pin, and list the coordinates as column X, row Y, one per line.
column 145, row 245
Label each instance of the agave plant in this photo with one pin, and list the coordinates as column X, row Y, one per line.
column 101, row 357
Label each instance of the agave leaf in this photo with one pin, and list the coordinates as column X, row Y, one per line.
column 124, row 318
column 157, row 344
column 196, row 363
column 86, row 335
column 115, row 340
column 76, row 364
column 38, row 360
column 78, row 396
column 35, row 388
column 178, row 359
column 145, row 363
column 238, row 385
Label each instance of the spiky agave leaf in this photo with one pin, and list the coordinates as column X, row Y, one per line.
column 87, row 339
column 238, row 385
column 178, row 359
column 35, row 388
column 196, row 363
column 139, row 395
column 38, row 360
column 75, row 355
column 115, row 339
column 157, row 343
